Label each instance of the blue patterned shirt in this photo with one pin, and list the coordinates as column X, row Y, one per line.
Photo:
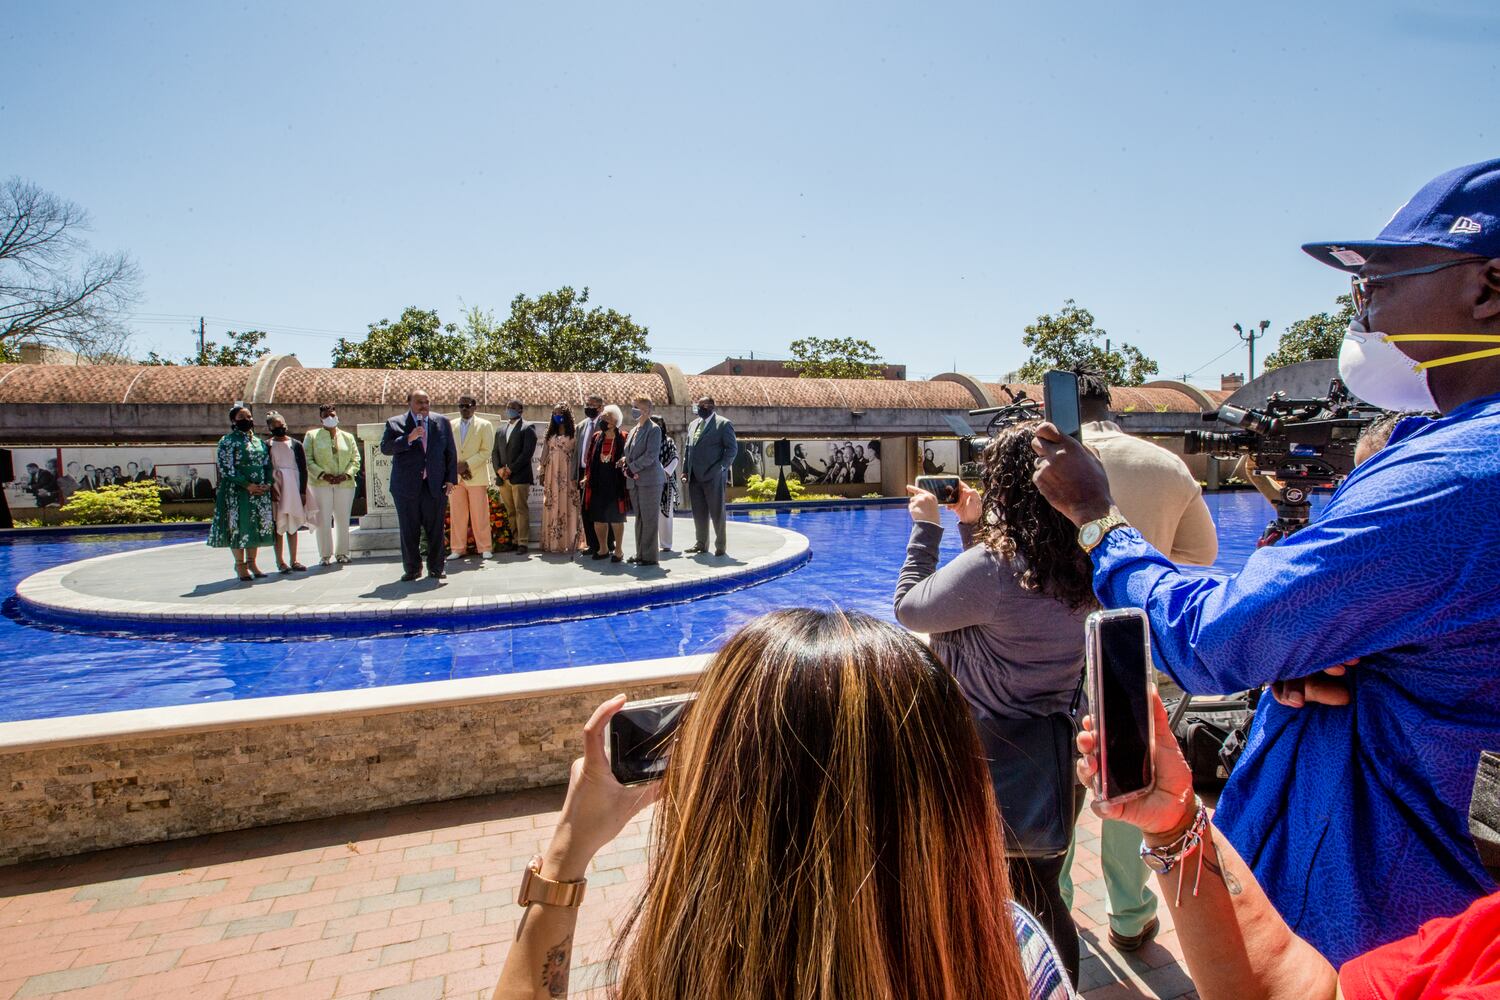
column 1045, row 977
column 1354, row 818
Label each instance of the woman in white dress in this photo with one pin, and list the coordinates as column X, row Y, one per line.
column 292, row 501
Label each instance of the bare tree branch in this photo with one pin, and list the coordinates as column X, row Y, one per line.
column 53, row 289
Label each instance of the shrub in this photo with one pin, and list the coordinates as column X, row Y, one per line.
column 759, row 489
column 126, row 503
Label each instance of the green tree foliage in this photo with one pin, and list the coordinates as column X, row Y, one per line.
column 1071, row 340
column 242, row 350
column 555, row 333
column 418, row 340
column 1317, row 336
column 835, row 357
column 124, row 503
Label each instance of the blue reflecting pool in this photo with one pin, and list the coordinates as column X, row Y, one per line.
column 856, row 555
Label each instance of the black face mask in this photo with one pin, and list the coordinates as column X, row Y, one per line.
column 278, row 432
column 244, row 424
column 591, row 412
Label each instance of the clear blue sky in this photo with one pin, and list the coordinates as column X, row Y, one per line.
column 927, row 176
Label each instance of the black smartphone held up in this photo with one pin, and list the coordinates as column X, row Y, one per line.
column 1118, row 652
column 640, row 737
column 1060, row 403
column 945, row 488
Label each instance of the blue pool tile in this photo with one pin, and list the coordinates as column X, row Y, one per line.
column 856, row 554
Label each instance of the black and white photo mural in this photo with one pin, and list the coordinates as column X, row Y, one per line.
column 51, row 475
column 939, row 457
column 820, row 461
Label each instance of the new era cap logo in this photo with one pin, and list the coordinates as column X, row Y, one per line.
column 1466, row 225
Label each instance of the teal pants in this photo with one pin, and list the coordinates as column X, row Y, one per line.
column 1131, row 903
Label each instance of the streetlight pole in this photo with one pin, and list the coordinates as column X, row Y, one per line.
column 1250, row 338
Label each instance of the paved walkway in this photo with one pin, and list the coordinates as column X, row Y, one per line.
column 189, row 583
column 409, row 904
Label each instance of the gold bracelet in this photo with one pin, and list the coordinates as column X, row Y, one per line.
column 537, row 889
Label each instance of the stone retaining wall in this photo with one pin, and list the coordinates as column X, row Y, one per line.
column 88, row 794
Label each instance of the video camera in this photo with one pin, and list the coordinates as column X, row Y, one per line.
column 1302, row 444
column 971, row 443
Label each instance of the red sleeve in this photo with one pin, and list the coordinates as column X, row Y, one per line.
column 1451, row 958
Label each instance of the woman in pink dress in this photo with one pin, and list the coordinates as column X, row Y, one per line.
column 291, row 498
column 561, row 515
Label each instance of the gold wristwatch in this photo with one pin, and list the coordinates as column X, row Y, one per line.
column 1093, row 532
column 536, row 889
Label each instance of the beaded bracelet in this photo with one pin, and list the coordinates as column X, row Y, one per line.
column 1167, row 857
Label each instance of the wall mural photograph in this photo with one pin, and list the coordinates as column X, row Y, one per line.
column 831, row 461
column 185, row 472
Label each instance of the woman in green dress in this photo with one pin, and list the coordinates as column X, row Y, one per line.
column 243, row 519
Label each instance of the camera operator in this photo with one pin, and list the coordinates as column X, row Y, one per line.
column 1354, row 817
column 1236, row 946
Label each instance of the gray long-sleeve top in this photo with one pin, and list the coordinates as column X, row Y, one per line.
column 1016, row 653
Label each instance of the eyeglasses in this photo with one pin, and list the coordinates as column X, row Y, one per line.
column 1360, row 285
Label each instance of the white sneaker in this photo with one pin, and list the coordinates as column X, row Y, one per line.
column 486, row 555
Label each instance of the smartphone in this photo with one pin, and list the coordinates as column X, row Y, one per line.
column 1060, row 403
column 1118, row 655
column 945, row 488
column 640, row 737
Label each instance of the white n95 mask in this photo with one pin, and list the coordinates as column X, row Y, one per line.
column 1376, row 371
column 330, row 422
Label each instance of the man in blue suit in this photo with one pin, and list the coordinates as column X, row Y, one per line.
column 424, row 468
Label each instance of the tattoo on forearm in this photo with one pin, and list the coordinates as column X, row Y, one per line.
column 1230, row 882
column 555, row 968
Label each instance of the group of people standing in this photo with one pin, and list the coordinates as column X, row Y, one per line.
column 271, row 488
column 593, row 474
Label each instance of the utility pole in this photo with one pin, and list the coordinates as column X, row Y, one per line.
column 201, row 343
column 1250, row 338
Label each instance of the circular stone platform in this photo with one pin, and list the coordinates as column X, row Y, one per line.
column 190, row 588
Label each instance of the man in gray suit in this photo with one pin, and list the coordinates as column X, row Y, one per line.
column 710, row 451
column 645, row 478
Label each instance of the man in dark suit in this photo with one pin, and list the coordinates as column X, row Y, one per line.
column 424, row 467
column 197, row 487
column 711, row 448
column 592, row 406
column 515, row 444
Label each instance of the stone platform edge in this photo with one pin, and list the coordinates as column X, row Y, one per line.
column 86, row 783
column 44, row 596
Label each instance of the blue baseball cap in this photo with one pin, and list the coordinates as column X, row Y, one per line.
column 1459, row 210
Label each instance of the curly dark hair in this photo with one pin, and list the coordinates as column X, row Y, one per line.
column 1018, row 522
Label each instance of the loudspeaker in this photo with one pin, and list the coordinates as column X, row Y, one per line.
column 783, row 449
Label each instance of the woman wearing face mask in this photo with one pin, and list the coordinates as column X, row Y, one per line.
column 561, row 516
column 333, row 474
column 604, row 493
column 291, row 501
column 243, row 519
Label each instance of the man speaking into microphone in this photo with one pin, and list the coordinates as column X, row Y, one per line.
column 424, row 468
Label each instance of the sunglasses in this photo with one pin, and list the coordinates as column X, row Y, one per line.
column 1361, row 285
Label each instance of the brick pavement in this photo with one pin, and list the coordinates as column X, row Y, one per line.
column 409, row 904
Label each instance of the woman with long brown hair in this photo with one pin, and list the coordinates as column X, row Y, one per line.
column 1006, row 615
column 825, row 831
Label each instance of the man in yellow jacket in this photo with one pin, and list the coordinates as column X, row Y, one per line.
column 469, row 503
